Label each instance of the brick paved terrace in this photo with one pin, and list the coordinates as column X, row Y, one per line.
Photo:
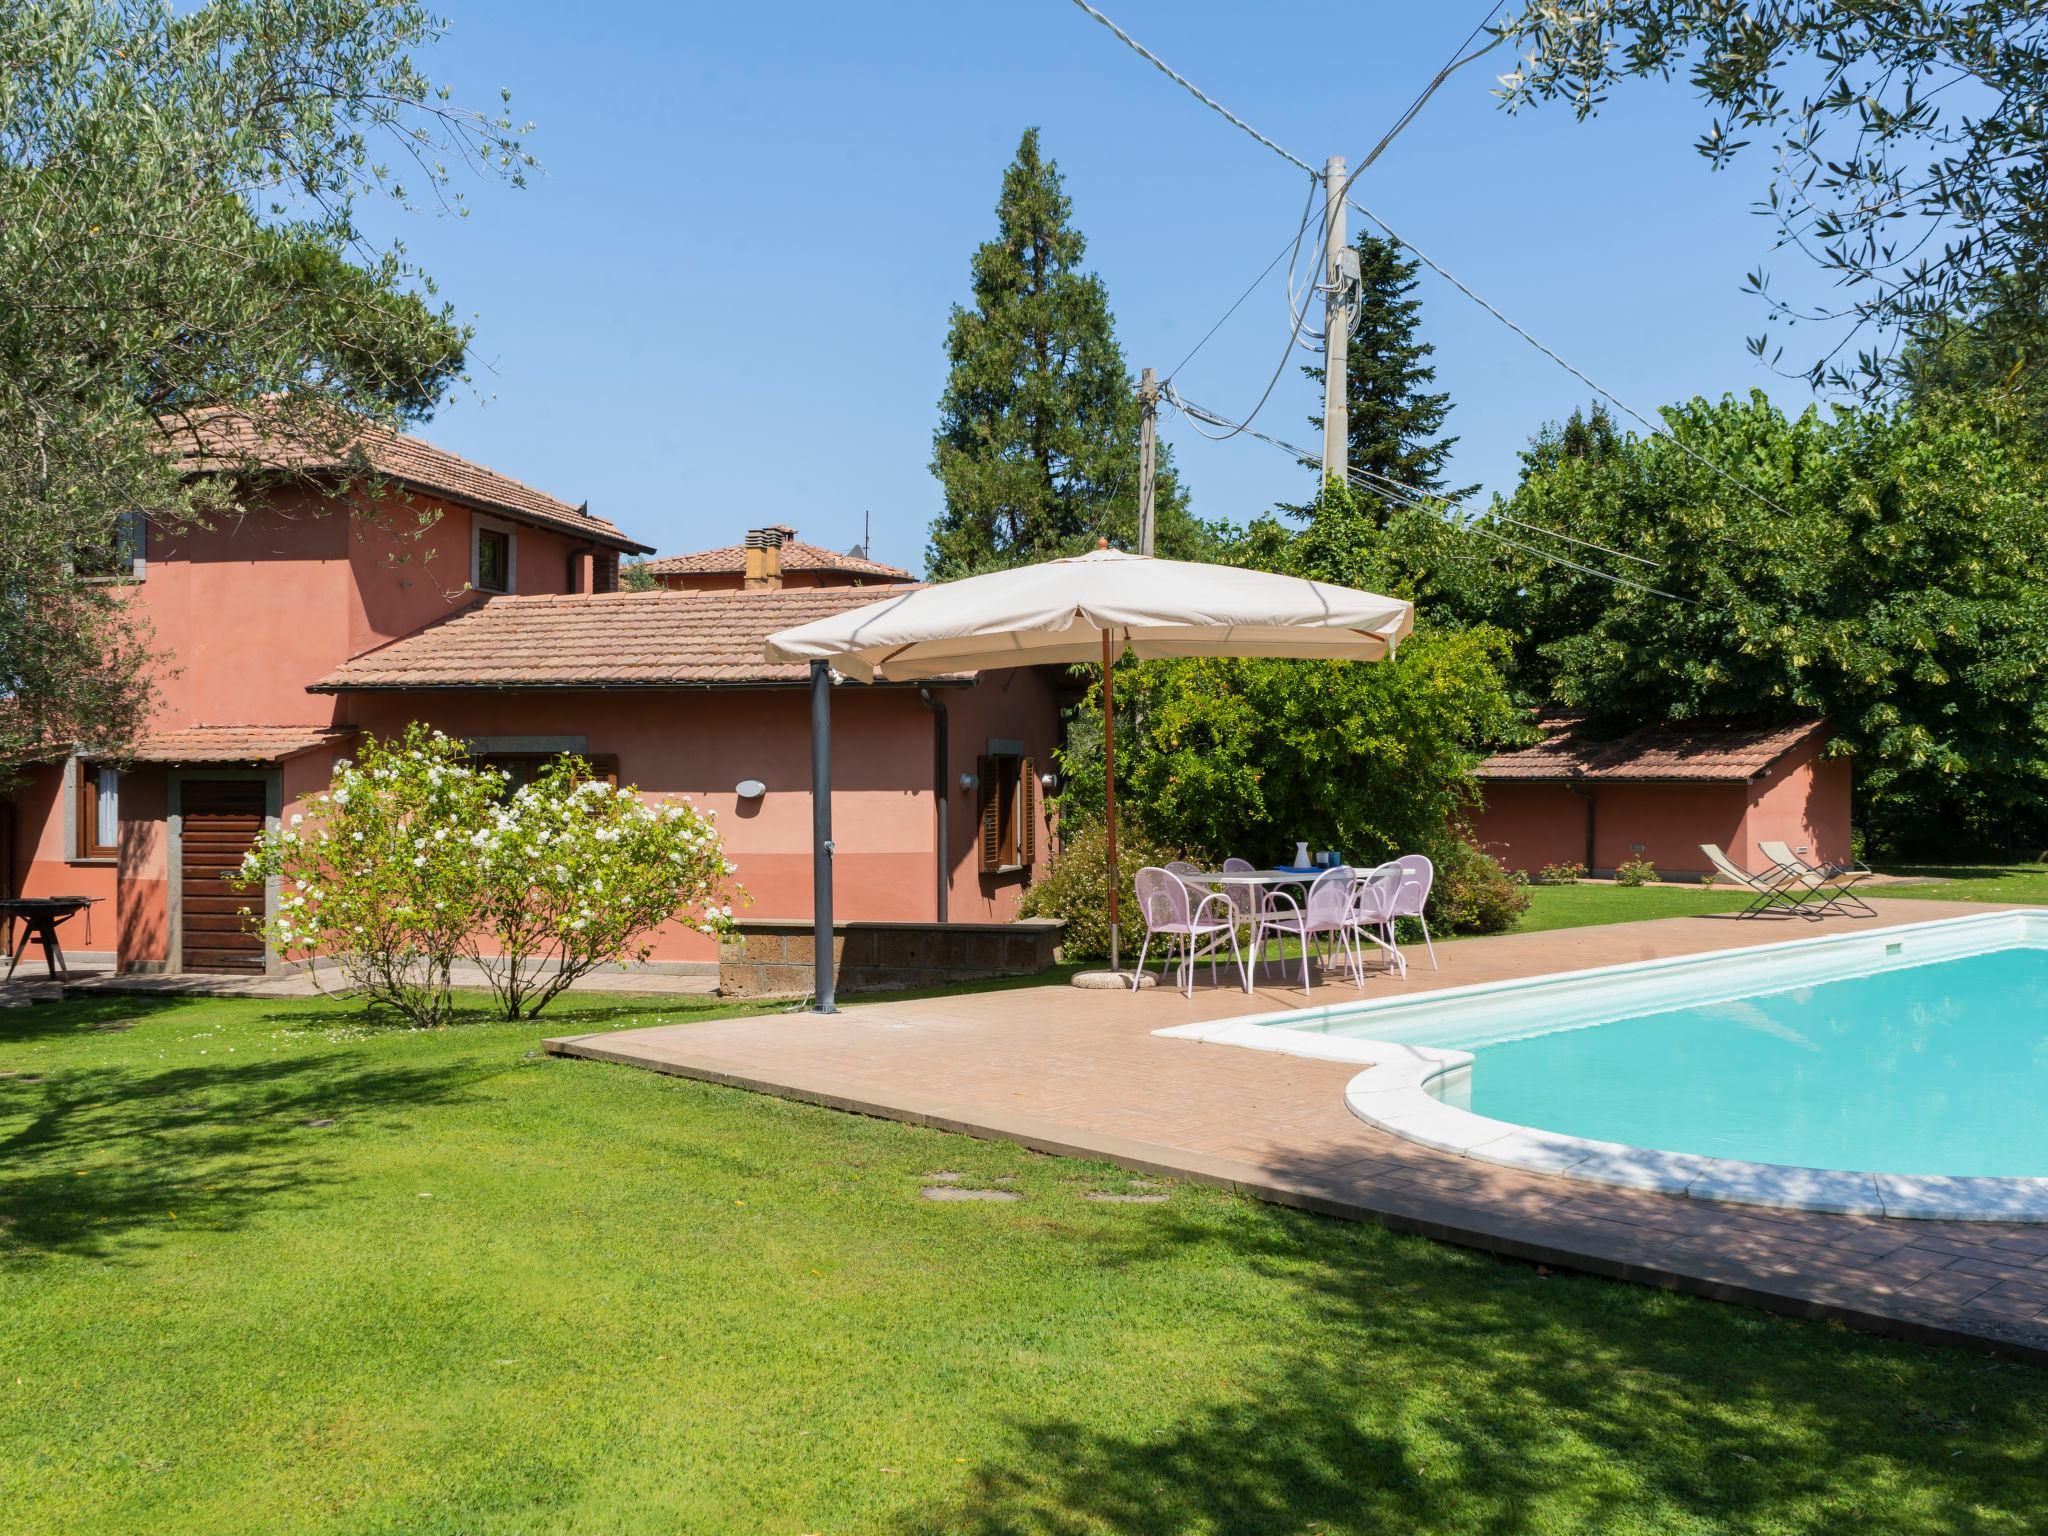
column 1073, row 1071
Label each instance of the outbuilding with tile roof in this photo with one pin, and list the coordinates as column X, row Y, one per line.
column 1599, row 798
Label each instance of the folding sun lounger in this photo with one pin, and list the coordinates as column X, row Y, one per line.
column 1777, row 891
column 1827, row 885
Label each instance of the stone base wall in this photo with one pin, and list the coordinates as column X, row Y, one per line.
column 774, row 957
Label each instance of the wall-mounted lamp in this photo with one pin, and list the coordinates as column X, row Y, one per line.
column 1049, row 780
column 969, row 782
column 750, row 789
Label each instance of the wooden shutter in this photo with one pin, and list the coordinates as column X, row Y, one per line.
column 1027, row 815
column 991, row 815
column 604, row 765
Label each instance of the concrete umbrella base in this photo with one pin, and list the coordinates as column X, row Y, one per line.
column 1104, row 981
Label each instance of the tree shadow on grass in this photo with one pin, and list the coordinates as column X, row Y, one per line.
column 92, row 1157
column 1417, row 1388
column 79, row 1016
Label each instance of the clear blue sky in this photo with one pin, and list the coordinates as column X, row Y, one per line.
column 723, row 301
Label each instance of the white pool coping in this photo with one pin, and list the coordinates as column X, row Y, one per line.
column 1393, row 1093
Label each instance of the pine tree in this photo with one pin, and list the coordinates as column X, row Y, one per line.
column 1037, row 444
column 1393, row 417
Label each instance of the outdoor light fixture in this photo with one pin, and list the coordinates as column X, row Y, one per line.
column 969, row 781
column 750, row 789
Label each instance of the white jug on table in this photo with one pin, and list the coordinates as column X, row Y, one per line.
column 1301, row 859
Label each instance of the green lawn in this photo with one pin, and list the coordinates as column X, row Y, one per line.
column 1582, row 906
column 266, row 1269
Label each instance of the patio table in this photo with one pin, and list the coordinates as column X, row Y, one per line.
column 39, row 917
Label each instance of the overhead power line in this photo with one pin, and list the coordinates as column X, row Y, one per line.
column 1386, row 489
column 1190, row 87
column 1656, row 428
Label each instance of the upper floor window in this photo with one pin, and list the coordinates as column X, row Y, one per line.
column 99, row 811
column 121, row 557
column 492, row 553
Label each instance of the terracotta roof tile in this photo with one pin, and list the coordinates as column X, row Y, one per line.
column 237, row 743
column 1707, row 752
column 657, row 639
column 227, row 439
column 796, row 556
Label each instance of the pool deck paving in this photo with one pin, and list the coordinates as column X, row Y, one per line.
column 1066, row 1070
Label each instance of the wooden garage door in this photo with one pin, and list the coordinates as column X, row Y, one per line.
column 221, row 820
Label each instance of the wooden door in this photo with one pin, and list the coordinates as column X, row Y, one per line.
column 222, row 817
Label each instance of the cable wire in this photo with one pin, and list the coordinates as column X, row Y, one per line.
column 1656, row 428
column 1190, row 87
column 1411, row 496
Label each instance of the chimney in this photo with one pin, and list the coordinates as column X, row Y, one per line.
column 764, row 559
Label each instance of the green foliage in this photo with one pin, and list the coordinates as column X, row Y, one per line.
column 1561, row 874
column 414, row 856
column 1249, row 757
column 1634, row 872
column 179, row 198
column 1473, row 892
column 1887, row 578
column 635, row 577
column 1037, row 444
column 1076, row 884
column 1914, row 204
column 1392, row 416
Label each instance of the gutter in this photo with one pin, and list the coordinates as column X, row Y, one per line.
column 612, row 685
column 941, row 795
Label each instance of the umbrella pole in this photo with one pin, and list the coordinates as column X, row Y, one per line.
column 821, row 838
column 1109, row 784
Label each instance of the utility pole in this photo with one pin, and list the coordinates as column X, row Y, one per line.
column 1340, row 266
column 1148, row 454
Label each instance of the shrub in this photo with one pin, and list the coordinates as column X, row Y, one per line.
column 1636, row 871
column 414, row 855
column 1570, row 873
column 578, row 874
column 1075, row 887
column 1473, row 893
column 382, row 880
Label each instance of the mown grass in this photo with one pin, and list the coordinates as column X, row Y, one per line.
column 268, row 1268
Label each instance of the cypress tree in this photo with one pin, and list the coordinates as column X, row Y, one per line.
column 1394, row 416
column 1037, row 443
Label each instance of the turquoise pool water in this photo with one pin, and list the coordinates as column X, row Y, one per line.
column 1939, row 1068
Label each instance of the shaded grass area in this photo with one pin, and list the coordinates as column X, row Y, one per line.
column 1974, row 882
column 266, row 1267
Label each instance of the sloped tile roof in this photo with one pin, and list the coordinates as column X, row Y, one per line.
column 731, row 560
column 237, row 743
column 1710, row 752
column 229, row 439
column 657, row 639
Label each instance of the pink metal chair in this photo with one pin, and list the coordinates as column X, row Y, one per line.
column 1379, row 897
column 1323, row 913
column 1172, row 912
column 1415, row 896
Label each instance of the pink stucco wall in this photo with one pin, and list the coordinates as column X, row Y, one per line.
column 1804, row 800
column 1527, row 826
column 703, row 743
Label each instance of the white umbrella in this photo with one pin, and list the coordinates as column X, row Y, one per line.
column 1082, row 608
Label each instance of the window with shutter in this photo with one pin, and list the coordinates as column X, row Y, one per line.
column 986, row 773
column 1027, row 814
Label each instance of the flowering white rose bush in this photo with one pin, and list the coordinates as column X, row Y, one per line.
column 378, row 879
column 415, row 857
column 578, row 874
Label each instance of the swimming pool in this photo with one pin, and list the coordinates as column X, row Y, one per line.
column 1898, row 1071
